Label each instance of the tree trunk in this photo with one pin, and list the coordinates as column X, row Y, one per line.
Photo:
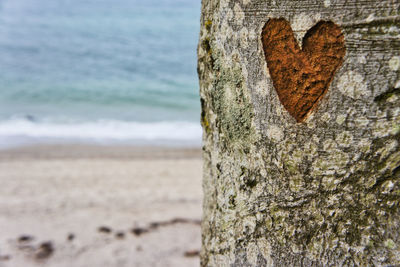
column 300, row 139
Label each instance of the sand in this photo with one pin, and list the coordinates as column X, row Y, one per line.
column 99, row 206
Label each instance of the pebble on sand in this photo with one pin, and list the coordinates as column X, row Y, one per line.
column 139, row 231
column 25, row 238
column 104, row 229
column 120, row 235
column 45, row 250
column 70, row 237
column 192, row 253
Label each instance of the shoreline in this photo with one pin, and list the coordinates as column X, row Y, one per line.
column 88, row 151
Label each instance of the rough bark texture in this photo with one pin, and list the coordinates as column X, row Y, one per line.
column 323, row 192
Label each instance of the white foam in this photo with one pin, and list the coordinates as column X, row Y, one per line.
column 101, row 131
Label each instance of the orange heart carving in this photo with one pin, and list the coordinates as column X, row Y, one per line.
column 301, row 77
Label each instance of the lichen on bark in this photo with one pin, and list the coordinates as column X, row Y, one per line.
column 324, row 192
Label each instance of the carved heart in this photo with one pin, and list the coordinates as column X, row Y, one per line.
column 301, row 77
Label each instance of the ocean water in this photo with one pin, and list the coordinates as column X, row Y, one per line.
column 120, row 71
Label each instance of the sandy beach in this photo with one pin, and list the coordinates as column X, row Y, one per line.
column 98, row 206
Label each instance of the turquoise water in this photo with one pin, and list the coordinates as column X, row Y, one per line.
column 99, row 71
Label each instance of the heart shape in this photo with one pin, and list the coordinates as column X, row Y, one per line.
column 301, row 77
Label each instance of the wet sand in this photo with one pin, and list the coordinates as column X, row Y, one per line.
column 81, row 205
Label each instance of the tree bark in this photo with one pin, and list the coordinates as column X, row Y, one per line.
column 323, row 191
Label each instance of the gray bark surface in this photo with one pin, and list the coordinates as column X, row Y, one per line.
column 324, row 192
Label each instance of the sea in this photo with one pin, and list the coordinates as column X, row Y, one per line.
column 99, row 72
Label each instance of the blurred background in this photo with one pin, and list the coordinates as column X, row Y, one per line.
column 99, row 71
column 100, row 161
